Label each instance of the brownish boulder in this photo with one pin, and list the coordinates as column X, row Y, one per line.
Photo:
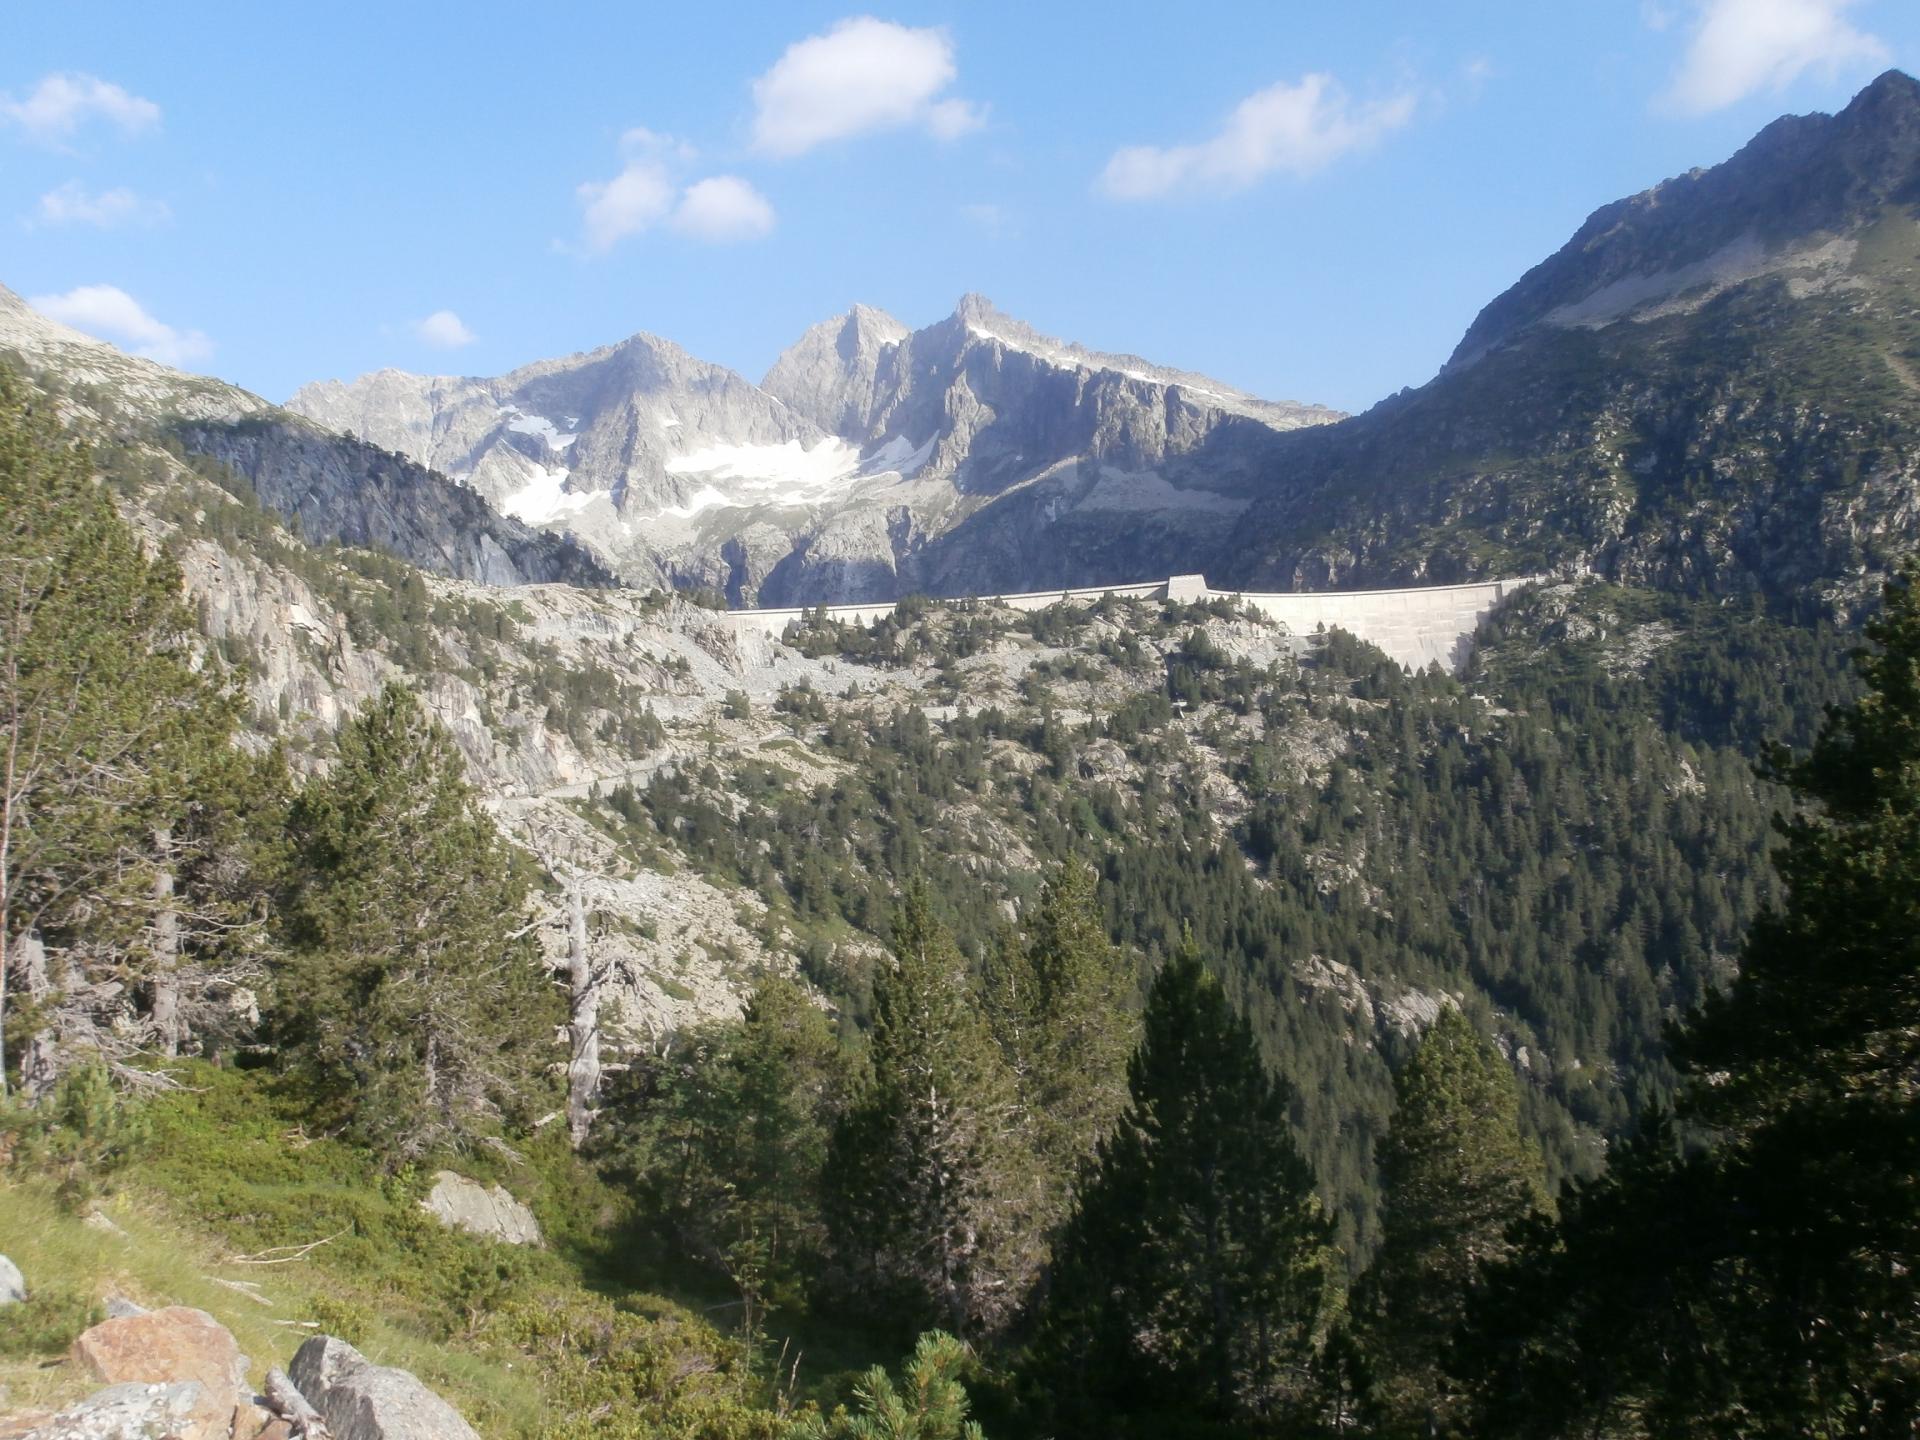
column 163, row 1346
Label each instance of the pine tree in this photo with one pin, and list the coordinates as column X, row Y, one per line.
column 931, row 1404
column 1192, row 1275
column 112, row 729
column 1808, row 1067
column 1770, row 1284
column 936, row 1193
column 1060, row 999
column 729, row 1134
column 412, row 996
column 1455, row 1175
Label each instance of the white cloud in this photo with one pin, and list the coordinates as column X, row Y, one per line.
column 635, row 199
column 73, row 204
column 443, row 330
column 723, row 208
column 1297, row 129
column 648, row 192
column 66, row 100
column 1739, row 47
column 862, row 75
column 110, row 313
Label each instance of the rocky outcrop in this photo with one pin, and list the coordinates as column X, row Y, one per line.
column 463, row 1204
column 363, row 1401
column 344, row 491
column 133, row 1411
column 163, row 1347
column 176, row 1374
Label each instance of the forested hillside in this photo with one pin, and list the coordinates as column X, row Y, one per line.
column 1026, row 889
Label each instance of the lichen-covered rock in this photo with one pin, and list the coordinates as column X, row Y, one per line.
column 127, row 1412
column 13, row 1285
column 463, row 1204
column 363, row 1401
column 160, row 1347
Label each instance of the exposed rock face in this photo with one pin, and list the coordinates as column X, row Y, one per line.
column 127, row 1412
column 345, row 491
column 161, row 1347
column 363, row 1401
column 339, row 489
column 13, row 1285
column 463, row 1204
column 871, row 460
column 831, row 375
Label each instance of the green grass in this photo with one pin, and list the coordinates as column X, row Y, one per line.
column 522, row 1342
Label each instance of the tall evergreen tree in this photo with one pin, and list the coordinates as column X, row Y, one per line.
column 1192, row 1275
column 412, row 995
column 728, row 1135
column 111, row 731
column 1060, row 998
column 1770, row 1286
column 1456, row 1175
column 936, row 1191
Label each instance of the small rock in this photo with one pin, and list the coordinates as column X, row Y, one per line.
column 127, row 1412
column 176, row 1343
column 13, row 1285
column 120, row 1308
column 363, row 1401
column 464, row 1204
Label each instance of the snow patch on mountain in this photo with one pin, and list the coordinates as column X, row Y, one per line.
column 525, row 424
column 544, row 498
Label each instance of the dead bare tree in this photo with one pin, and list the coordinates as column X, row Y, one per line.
column 587, row 977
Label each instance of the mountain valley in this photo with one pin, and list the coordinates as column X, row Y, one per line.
column 719, row 934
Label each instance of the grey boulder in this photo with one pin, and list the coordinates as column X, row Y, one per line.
column 363, row 1401
column 13, row 1285
column 463, row 1204
column 125, row 1412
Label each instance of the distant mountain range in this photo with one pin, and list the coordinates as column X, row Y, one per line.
column 1713, row 386
column 852, row 471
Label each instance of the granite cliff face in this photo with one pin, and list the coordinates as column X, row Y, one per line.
column 871, row 461
column 339, row 489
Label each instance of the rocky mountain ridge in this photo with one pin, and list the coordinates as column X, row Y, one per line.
column 1713, row 387
column 866, row 446
column 1785, row 202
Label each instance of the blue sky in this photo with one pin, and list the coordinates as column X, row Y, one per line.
column 1308, row 201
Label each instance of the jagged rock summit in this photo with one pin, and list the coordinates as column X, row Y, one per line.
column 862, row 466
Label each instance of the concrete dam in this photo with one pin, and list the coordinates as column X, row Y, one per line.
column 1429, row 625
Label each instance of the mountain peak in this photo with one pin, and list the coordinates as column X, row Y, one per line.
column 829, row 374
column 1802, row 176
column 1893, row 89
column 974, row 306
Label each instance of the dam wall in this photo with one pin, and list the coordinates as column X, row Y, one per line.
column 1432, row 624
